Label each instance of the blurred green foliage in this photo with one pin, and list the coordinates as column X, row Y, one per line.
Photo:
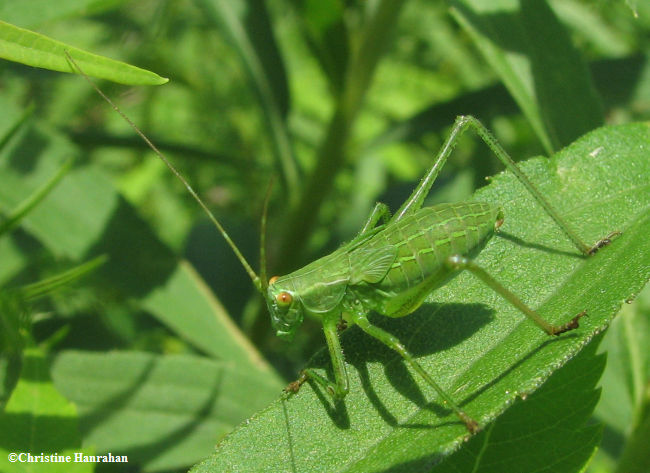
column 344, row 102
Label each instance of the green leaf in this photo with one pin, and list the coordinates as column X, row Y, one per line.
column 12, row 260
column 13, row 324
column 34, row 49
column 521, row 40
column 553, row 436
column 625, row 405
column 176, row 406
column 480, row 349
column 216, row 334
column 38, row 420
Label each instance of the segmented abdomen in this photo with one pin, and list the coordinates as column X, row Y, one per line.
column 425, row 239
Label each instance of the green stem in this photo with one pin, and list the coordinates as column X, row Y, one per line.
column 48, row 285
column 331, row 154
column 635, row 457
column 35, row 198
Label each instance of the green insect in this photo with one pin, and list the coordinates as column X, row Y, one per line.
column 391, row 266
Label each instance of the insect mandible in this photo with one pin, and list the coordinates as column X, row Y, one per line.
column 391, row 266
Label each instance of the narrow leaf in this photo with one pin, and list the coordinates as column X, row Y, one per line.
column 34, row 49
column 14, row 218
column 625, row 405
column 246, row 24
column 324, row 28
column 520, row 40
column 46, row 286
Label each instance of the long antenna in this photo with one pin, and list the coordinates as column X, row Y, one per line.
column 263, row 275
column 254, row 277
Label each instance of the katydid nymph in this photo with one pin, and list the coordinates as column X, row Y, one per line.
column 391, row 266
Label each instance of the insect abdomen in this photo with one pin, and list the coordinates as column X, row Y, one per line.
column 424, row 240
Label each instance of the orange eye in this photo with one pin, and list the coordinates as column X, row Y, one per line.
column 284, row 298
column 273, row 279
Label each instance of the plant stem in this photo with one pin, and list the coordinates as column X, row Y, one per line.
column 635, row 457
column 331, row 154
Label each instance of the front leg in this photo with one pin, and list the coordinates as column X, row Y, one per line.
column 341, row 387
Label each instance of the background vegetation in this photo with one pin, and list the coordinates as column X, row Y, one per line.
column 123, row 310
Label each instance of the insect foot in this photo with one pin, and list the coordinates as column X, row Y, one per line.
column 603, row 242
column 571, row 325
column 294, row 386
column 471, row 424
